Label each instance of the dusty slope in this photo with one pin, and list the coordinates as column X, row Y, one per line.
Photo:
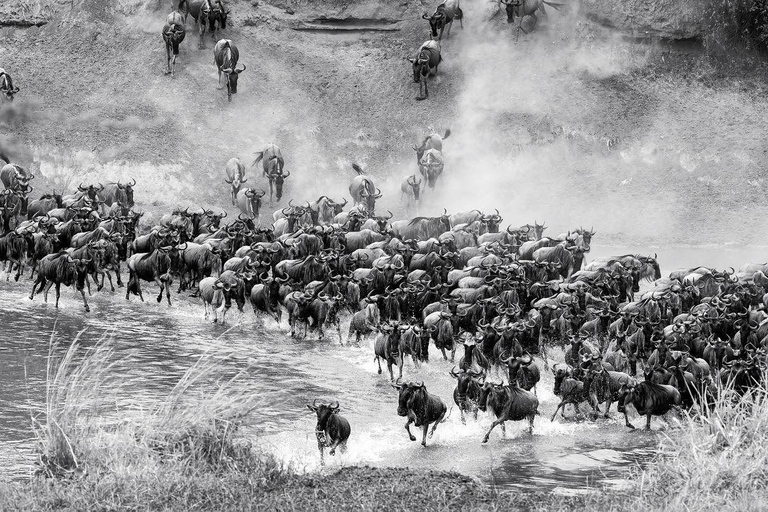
column 570, row 124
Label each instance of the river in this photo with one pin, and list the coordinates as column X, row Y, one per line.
column 159, row 343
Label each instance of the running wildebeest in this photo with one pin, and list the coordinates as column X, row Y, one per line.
column 332, row 429
column 272, row 164
column 6, row 85
column 523, row 8
column 173, row 34
column 225, row 56
column 420, row 407
column 443, row 16
column 425, row 65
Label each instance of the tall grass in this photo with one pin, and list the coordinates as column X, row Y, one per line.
column 717, row 460
column 89, row 425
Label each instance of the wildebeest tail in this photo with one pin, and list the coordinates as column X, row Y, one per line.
column 259, row 156
column 357, row 168
column 460, row 14
column 447, row 133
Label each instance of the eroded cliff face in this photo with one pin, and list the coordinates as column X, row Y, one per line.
column 673, row 19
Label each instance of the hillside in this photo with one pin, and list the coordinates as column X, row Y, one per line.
column 572, row 124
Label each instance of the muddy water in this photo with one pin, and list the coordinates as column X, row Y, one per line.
column 159, row 343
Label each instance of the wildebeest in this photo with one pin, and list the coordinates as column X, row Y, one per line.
column 410, row 189
column 60, row 269
column 467, row 391
column 153, row 266
column 173, row 34
column 421, row 228
column 648, row 399
column 332, row 429
column 265, row 296
column 387, row 347
column 249, row 202
column 13, row 249
column 420, row 407
column 431, row 167
column 443, row 16
column 15, row 178
column 6, row 85
column 272, row 164
column 225, row 56
column 425, row 64
column 519, row 405
column 202, row 13
column 365, row 321
column 235, row 170
column 523, row 8
column 121, row 193
column 432, row 141
column 363, row 191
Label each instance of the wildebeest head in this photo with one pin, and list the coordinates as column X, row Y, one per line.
column 436, row 21
column 405, row 393
column 91, row 191
column 414, row 185
column 420, row 66
column 492, row 222
column 279, row 179
column 128, row 189
column 511, row 7
column 232, row 75
column 6, row 86
column 217, row 13
column 323, row 412
column 254, row 197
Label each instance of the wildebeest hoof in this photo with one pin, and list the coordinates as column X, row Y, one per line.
column 159, row 299
column 219, row 88
column 631, row 426
column 87, row 310
column 413, row 438
column 485, row 439
column 332, row 452
column 420, row 98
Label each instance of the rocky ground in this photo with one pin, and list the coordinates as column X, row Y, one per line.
column 572, row 124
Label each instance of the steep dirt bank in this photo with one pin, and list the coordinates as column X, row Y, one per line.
column 571, row 123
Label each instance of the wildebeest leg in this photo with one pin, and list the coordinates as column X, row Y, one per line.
column 408, row 429
column 561, row 404
column 58, row 293
column 530, row 423
column 168, row 57
column 434, row 426
column 608, row 408
column 391, row 375
column 543, row 350
column 424, row 429
column 207, row 313
column 19, row 270
column 648, row 423
column 378, row 360
column 85, row 301
column 445, row 357
column 45, row 293
column 218, row 86
column 493, row 425
column 453, row 353
column 626, row 419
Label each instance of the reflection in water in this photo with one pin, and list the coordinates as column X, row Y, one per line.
column 158, row 343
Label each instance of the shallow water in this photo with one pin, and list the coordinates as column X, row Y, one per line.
column 158, row 343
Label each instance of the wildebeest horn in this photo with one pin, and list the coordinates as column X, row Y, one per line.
column 262, row 193
column 240, row 70
column 80, row 188
column 453, row 373
column 390, row 215
column 425, row 16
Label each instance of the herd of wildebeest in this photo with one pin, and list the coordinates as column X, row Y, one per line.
column 454, row 279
